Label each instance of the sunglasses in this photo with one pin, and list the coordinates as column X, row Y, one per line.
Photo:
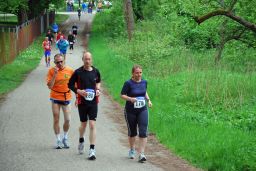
column 58, row 62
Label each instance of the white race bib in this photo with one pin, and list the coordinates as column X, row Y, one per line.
column 71, row 43
column 140, row 102
column 90, row 94
column 47, row 47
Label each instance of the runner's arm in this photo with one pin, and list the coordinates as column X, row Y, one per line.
column 72, row 82
column 51, row 81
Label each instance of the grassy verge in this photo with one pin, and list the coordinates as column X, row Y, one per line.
column 13, row 74
column 199, row 136
column 60, row 18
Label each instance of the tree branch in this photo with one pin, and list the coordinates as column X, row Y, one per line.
column 247, row 24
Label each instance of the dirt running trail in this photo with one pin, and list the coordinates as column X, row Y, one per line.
column 27, row 138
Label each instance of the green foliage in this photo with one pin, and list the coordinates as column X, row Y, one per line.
column 209, row 109
column 13, row 74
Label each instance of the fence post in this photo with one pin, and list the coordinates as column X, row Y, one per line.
column 42, row 24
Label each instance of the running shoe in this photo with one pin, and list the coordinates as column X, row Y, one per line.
column 132, row 153
column 142, row 158
column 65, row 143
column 81, row 148
column 59, row 145
column 92, row 155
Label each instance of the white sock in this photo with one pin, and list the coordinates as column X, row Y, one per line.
column 58, row 137
column 65, row 135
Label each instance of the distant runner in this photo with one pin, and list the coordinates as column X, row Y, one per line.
column 60, row 96
column 87, row 78
column 74, row 29
column 135, row 93
column 62, row 45
column 79, row 13
column 50, row 36
column 47, row 51
column 71, row 40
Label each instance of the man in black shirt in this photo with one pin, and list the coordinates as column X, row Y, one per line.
column 74, row 29
column 50, row 36
column 85, row 82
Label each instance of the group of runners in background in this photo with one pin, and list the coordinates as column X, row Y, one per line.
column 62, row 43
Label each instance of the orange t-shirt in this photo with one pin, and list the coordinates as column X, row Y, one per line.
column 61, row 84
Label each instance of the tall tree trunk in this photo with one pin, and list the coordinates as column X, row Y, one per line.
column 22, row 16
column 128, row 13
column 223, row 40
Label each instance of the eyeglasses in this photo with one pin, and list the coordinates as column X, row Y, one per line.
column 58, row 62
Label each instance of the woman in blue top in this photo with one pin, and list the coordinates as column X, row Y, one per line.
column 134, row 91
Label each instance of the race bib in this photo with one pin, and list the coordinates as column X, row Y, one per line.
column 71, row 43
column 140, row 102
column 90, row 94
column 47, row 47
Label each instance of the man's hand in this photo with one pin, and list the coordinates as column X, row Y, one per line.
column 98, row 92
column 81, row 92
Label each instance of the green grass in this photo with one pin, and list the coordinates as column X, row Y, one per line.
column 14, row 73
column 60, row 18
column 204, row 114
column 8, row 20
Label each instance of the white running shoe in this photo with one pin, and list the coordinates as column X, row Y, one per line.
column 92, row 155
column 81, row 148
column 59, row 144
column 142, row 158
column 65, row 143
column 132, row 153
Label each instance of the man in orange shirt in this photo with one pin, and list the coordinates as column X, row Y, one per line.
column 57, row 80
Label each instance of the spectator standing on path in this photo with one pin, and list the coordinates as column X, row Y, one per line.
column 71, row 40
column 60, row 96
column 134, row 91
column 47, row 51
column 62, row 45
column 50, row 36
column 87, row 78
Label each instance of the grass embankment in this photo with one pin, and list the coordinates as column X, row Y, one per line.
column 194, row 112
column 13, row 74
column 60, row 18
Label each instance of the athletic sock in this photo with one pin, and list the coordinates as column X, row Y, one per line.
column 58, row 137
column 66, row 135
column 81, row 140
column 92, row 146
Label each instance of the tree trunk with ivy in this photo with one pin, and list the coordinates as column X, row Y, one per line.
column 128, row 14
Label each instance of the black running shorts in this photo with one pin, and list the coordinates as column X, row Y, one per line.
column 87, row 112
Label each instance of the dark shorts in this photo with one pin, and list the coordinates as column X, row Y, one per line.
column 60, row 102
column 137, row 121
column 87, row 111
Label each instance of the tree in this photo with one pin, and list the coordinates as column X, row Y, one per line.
column 227, row 33
column 128, row 14
column 26, row 9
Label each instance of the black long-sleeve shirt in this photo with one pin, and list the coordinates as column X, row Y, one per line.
column 84, row 80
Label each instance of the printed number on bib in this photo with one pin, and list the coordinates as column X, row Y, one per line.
column 90, row 94
column 140, row 102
